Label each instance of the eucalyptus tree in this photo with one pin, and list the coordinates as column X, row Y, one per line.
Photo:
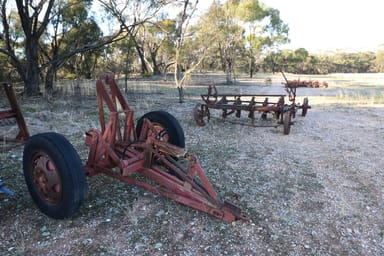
column 33, row 18
column 379, row 61
column 184, row 16
column 44, row 26
column 131, row 15
column 239, row 31
column 68, row 40
column 273, row 61
column 158, row 37
column 222, row 35
column 7, row 71
column 264, row 29
column 119, row 58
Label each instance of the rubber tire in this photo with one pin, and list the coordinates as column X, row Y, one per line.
column 304, row 107
column 287, row 122
column 69, row 167
column 170, row 124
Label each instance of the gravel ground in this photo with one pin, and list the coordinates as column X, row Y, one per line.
column 317, row 191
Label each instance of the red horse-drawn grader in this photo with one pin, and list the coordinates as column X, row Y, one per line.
column 149, row 154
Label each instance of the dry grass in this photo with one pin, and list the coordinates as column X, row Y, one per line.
column 317, row 191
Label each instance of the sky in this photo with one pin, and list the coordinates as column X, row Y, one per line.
column 331, row 25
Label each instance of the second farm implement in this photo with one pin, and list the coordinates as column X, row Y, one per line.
column 252, row 103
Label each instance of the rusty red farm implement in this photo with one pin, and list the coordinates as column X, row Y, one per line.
column 22, row 134
column 13, row 113
column 229, row 104
column 304, row 83
column 149, row 154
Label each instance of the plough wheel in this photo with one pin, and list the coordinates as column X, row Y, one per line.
column 167, row 126
column 54, row 175
column 304, row 107
column 199, row 112
column 287, row 122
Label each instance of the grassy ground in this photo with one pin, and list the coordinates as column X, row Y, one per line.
column 317, row 191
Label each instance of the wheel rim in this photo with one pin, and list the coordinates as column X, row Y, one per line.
column 46, row 178
column 160, row 134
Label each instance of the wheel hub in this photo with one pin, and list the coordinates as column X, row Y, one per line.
column 46, row 179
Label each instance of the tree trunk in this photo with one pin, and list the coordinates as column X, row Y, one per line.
column 126, row 73
column 49, row 78
column 250, row 68
column 144, row 68
column 179, row 82
column 32, row 71
column 156, row 69
column 229, row 71
column 181, row 94
column 228, row 77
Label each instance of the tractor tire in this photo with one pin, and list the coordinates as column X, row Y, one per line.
column 173, row 132
column 54, row 175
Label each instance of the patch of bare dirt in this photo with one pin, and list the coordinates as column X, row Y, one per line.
column 317, row 191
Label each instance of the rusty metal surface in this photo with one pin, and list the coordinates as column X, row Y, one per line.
column 238, row 103
column 304, row 83
column 266, row 104
column 163, row 168
column 13, row 113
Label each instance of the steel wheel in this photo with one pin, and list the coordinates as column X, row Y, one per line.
column 287, row 122
column 199, row 112
column 304, row 107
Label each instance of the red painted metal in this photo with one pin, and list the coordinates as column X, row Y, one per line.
column 14, row 112
column 304, row 83
column 117, row 151
column 236, row 103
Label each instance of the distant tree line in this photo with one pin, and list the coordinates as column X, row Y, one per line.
column 45, row 40
column 300, row 61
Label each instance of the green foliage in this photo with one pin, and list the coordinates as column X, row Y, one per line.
column 232, row 36
column 300, row 61
column 251, row 10
column 378, row 65
column 147, row 75
column 70, row 76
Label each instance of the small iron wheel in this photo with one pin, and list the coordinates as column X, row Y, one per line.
column 199, row 112
column 304, row 107
column 287, row 122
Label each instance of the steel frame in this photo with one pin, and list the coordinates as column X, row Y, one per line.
column 14, row 112
column 117, row 151
column 251, row 103
column 303, row 83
